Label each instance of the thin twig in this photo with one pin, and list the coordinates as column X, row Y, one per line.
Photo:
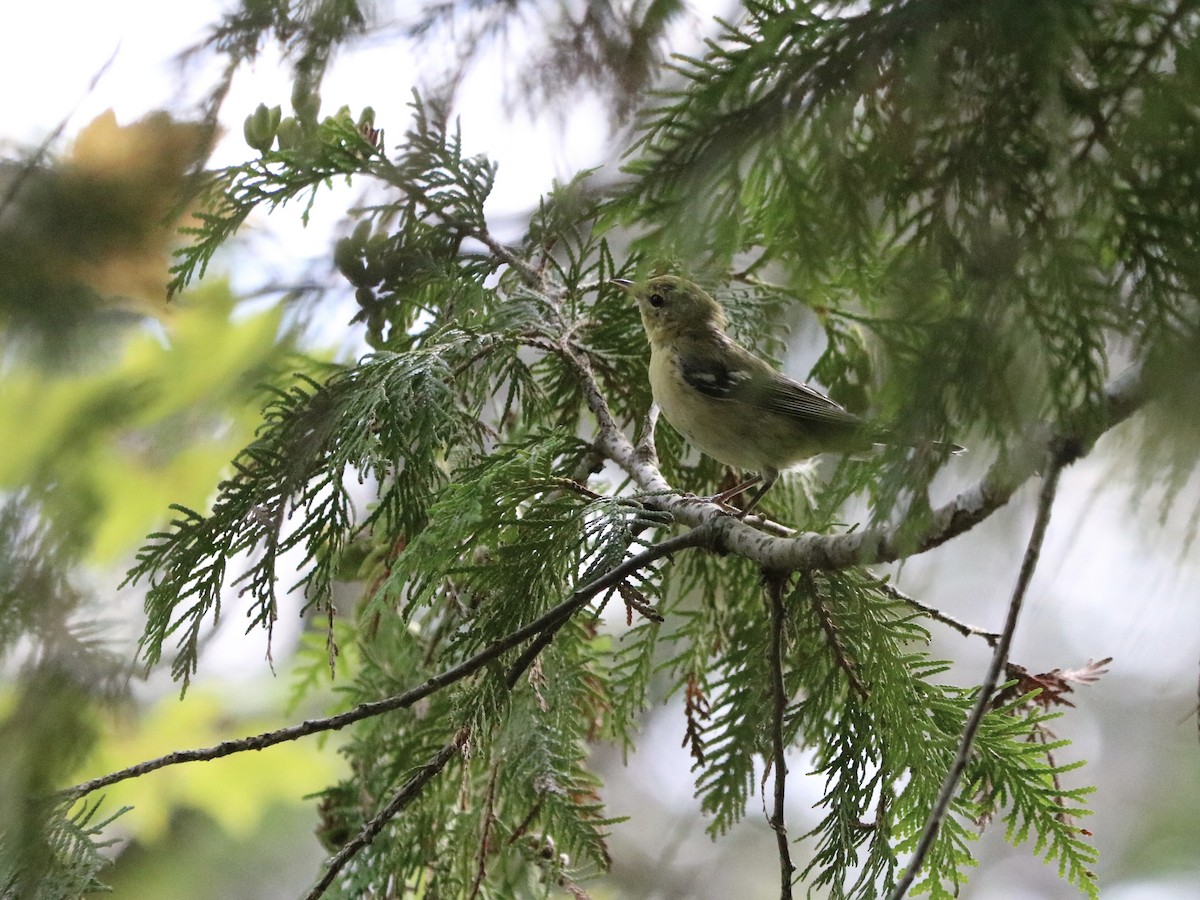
column 489, row 816
column 696, row 537
column 934, row 613
column 841, row 657
column 774, row 585
column 551, row 619
column 1058, row 458
column 530, row 276
column 576, row 487
column 402, row 798
column 1102, row 121
column 30, row 166
column 769, row 526
column 523, row 827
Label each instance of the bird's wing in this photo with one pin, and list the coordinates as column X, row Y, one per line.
column 714, row 377
column 753, row 382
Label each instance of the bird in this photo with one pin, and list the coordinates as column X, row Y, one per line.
column 729, row 403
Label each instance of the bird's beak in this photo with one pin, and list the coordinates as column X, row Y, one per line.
column 623, row 282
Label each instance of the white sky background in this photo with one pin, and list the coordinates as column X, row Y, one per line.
column 1111, row 581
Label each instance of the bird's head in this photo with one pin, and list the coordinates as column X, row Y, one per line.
column 672, row 307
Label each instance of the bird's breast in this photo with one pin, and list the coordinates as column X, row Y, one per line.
column 731, row 432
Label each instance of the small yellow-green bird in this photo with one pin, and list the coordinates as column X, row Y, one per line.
column 726, row 401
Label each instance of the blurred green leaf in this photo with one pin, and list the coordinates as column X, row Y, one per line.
column 113, row 445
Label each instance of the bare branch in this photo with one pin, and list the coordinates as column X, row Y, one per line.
column 694, row 538
column 315, row 726
column 778, row 822
column 402, row 798
column 841, row 657
column 1058, row 459
column 530, row 276
column 645, row 446
column 936, row 614
column 611, row 439
column 548, row 622
column 1123, row 396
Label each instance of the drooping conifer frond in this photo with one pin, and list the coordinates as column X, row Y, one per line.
column 963, row 182
column 290, row 491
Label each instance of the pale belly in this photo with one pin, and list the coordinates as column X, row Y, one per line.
column 731, row 433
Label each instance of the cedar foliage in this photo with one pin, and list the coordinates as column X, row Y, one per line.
column 983, row 207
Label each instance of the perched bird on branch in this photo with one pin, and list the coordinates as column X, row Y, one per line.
column 726, row 401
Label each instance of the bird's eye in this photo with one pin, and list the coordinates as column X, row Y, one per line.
column 656, row 300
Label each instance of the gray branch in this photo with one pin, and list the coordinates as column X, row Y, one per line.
column 809, row 551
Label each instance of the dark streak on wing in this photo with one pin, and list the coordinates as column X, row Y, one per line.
column 786, row 395
column 713, row 378
column 772, row 392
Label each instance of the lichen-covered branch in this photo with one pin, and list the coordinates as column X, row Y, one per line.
column 870, row 546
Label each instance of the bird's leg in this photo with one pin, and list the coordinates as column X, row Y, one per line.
column 767, row 478
column 723, row 498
